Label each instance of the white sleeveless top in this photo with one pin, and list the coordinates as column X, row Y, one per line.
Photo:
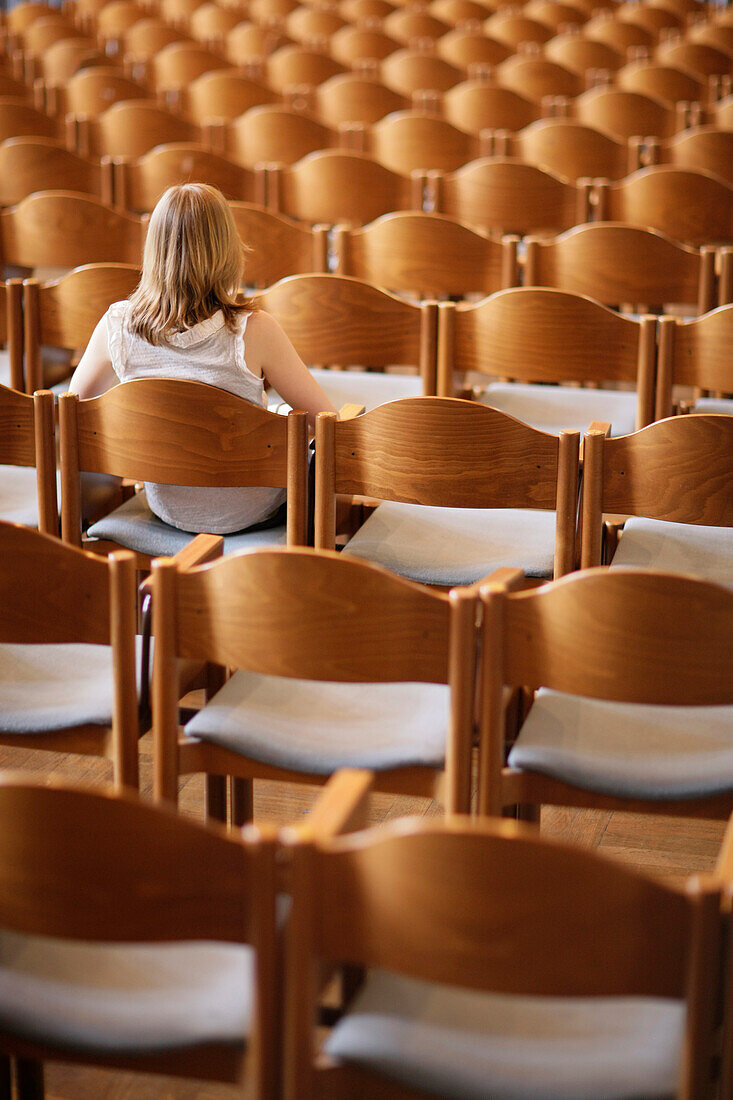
column 208, row 352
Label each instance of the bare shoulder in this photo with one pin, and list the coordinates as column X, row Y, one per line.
column 262, row 326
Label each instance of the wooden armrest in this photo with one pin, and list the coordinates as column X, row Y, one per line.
column 506, row 579
column 349, row 411
column 340, row 809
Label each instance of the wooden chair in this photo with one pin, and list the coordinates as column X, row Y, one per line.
column 355, row 45
column 144, row 40
column 183, row 433
column 619, row 35
column 460, row 11
column 466, row 46
column 221, row 95
column 501, row 195
column 91, row 91
column 635, row 710
column 248, row 42
column 656, row 20
column 712, row 34
column 28, row 457
column 665, row 82
column 570, row 149
column 359, row 11
column 72, row 687
column 514, row 954
column 21, row 120
column 536, row 335
column 536, row 78
column 673, row 478
column 582, row 55
column 417, row 141
column 430, row 255
column 29, row 164
column 618, row 264
column 268, row 11
column 409, row 26
column 130, row 129
column 475, row 106
column 702, row 148
column 514, row 28
column 275, row 134
column 696, row 57
column 695, row 354
column 178, row 12
column 60, row 61
column 335, row 186
column 174, row 945
column 138, row 184
column 465, row 490
column 353, row 98
column 332, row 319
column 211, row 23
column 309, row 24
column 408, row 71
column 625, row 115
column 115, row 19
column 298, row 65
column 352, row 653
column 180, row 63
column 556, row 15
column 691, row 206
column 278, row 246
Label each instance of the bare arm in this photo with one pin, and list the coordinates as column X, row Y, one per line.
column 94, row 374
column 270, row 353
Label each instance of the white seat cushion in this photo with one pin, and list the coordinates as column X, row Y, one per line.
column 19, row 495
column 367, row 388
column 714, row 405
column 677, row 548
column 317, row 726
column 628, row 750
column 554, row 408
column 455, row 545
column 131, row 998
column 470, row 1045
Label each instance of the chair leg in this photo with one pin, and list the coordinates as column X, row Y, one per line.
column 216, row 798
column 29, row 1079
column 241, row 800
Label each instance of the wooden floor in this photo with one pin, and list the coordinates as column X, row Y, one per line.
column 672, row 848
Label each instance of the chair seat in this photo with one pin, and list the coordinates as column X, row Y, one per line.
column 18, row 495
column 367, row 388
column 554, row 408
column 54, row 687
column 318, row 726
column 471, row 1045
column 134, row 526
column 714, row 405
column 133, row 998
column 450, row 546
column 705, row 552
column 627, row 750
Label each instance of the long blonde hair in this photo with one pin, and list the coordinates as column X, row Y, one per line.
column 193, row 264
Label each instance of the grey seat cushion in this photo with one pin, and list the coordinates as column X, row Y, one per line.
column 554, row 408
column 677, row 548
column 470, row 1045
column 19, row 495
column 628, row 750
column 368, row 388
column 714, row 405
column 54, row 687
column 133, row 525
column 131, row 998
column 319, row 726
column 455, row 545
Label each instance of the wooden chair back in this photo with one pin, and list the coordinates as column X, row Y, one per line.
column 180, row 63
column 91, row 91
column 665, row 82
column 29, row 164
column 679, row 469
column 536, row 77
column 299, row 65
column 145, row 39
column 277, row 246
column 131, row 129
column 542, row 335
column 475, row 105
column 426, row 254
column 583, row 56
column 210, row 23
column 407, row 26
column 138, row 184
column 446, row 453
column 514, row 28
column 570, row 149
column 115, row 18
column 275, row 134
column 624, row 114
column 20, row 119
column 221, row 95
column 619, row 35
column 333, row 319
column 417, row 141
column 60, row 61
column 151, row 876
column 460, row 11
column 556, row 15
column 360, row 11
column 467, row 46
column 249, row 42
column 696, row 57
column 309, row 24
column 651, row 17
column 701, row 149
column 409, row 70
column 181, row 433
column 503, row 195
column 618, row 263
column 27, row 439
column 63, row 313
column 493, row 907
column 354, row 98
column 694, row 353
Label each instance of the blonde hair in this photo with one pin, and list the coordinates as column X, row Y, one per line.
column 193, row 264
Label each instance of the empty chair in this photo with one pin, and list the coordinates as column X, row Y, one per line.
column 635, row 710
column 465, row 489
column 514, row 28
column 508, row 196
column 91, row 91
column 145, row 39
column 426, row 254
column 140, row 183
column 333, row 319
column 409, row 141
column 673, row 479
column 223, row 94
column 474, row 105
column 460, row 11
column 358, row 11
column 20, row 119
column 408, row 71
column 59, row 62
column 377, row 670
column 702, row 148
column 542, row 335
column 277, row 246
column 210, row 23
column 28, row 457
column 276, row 134
column 695, row 353
column 583, row 55
column 535, row 77
column 697, row 57
column 626, row 114
column 352, row 97
column 178, row 64
column 356, row 45
column 664, row 82
column 298, row 65
column 467, row 46
column 332, row 186
column 570, row 149
column 556, row 14
column 651, row 17
column 309, row 24
column 29, row 164
column 115, row 18
column 623, row 264
column 131, row 129
column 67, row 664
column 266, row 11
column 409, row 26
column 248, row 42
column 712, row 34
column 690, row 206
column 173, row 947
column 518, row 960
column 620, row 36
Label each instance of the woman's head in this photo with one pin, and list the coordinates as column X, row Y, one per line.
column 192, row 264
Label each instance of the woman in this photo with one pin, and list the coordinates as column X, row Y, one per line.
column 186, row 320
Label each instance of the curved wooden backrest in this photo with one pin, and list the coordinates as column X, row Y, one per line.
column 333, row 186
column 29, row 164
column 407, row 26
column 535, row 77
column 556, row 14
column 625, row 114
column 147, row 37
column 140, row 183
column 428, row 254
column 223, row 94
column 212, row 22
column 299, row 65
column 265, row 11
column 651, row 17
column 409, row 141
column 131, row 129
column 663, row 82
column 178, row 64
column 466, row 46
column 695, row 353
column 60, row 61
column 118, row 16
column 712, row 34
column 248, row 42
column 573, row 150
column 408, row 71
column 507, row 196
column 306, row 24
column 580, row 54
column 460, row 11
column 273, row 133
column 19, row 119
column 91, row 91
column 475, row 105
column 65, row 229
column 514, row 28
column 351, row 97
column 618, row 263
column 704, row 149
column 619, row 35
column 24, row 14
column 354, row 44
column 697, row 57
column 277, row 246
